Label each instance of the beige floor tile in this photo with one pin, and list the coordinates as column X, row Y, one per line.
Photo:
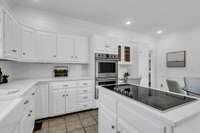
column 73, row 125
column 56, row 121
column 78, row 131
column 94, row 112
column 72, row 118
column 88, row 122
column 84, row 115
column 92, row 129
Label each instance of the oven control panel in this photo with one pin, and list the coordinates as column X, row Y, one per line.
column 106, row 56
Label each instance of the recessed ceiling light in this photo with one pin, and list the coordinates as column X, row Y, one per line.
column 36, row 1
column 128, row 22
column 159, row 31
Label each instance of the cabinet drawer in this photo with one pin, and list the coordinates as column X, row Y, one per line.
column 84, row 90
column 63, row 84
column 85, row 105
column 85, row 83
column 84, row 97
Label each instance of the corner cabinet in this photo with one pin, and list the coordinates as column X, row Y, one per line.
column 125, row 53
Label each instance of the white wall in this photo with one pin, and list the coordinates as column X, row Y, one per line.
column 186, row 40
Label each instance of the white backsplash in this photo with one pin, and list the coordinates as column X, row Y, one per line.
column 19, row 70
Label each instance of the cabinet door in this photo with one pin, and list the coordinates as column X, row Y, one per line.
column 124, row 127
column 17, row 39
column 107, row 121
column 81, row 50
column 127, row 55
column 65, row 48
column 28, row 43
column 42, row 97
column 46, row 45
column 57, row 102
column 26, row 124
column 8, row 36
column 71, row 100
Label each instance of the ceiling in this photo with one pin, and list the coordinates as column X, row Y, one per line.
column 149, row 15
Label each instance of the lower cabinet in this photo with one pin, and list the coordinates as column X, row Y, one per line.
column 28, row 119
column 57, row 101
column 42, row 101
column 107, row 120
column 71, row 100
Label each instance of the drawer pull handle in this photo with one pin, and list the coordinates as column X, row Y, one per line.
column 65, row 85
column 85, row 90
column 31, row 111
column 14, row 50
column 85, row 84
column 33, row 94
column 85, row 105
column 29, row 115
column 26, row 102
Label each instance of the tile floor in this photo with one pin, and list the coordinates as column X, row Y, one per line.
column 83, row 122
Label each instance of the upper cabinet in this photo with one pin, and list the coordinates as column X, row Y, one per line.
column 125, row 53
column 72, row 49
column 46, row 46
column 28, row 43
column 23, row 43
column 12, row 35
column 105, row 45
column 81, row 49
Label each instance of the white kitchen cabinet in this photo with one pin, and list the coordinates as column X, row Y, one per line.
column 12, row 32
column 81, row 49
column 105, row 45
column 107, row 121
column 28, row 43
column 124, row 127
column 65, row 48
column 26, row 123
column 46, row 46
column 57, row 101
column 71, row 100
column 72, row 49
column 42, row 101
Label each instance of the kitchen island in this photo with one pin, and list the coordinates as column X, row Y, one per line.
column 134, row 109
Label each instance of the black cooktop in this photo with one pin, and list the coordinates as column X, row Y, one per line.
column 157, row 99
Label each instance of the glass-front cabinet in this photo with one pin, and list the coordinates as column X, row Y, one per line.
column 125, row 53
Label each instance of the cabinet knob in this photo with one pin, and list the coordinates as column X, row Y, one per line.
column 23, row 53
column 63, row 95
column 113, row 127
column 67, row 95
column 33, row 93
column 76, row 57
column 31, row 111
column 29, row 115
column 54, row 56
column 26, row 102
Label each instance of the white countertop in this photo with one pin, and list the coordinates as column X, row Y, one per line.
column 23, row 85
column 173, row 117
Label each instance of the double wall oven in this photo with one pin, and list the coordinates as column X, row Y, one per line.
column 106, row 70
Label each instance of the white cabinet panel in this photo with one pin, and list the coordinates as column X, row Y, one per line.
column 81, row 49
column 28, row 43
column 71, row 100
column 46, row 45
column 65, row 48
column 124, row 127
column 57, row 102
column 42, row 97
column 107, row 121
